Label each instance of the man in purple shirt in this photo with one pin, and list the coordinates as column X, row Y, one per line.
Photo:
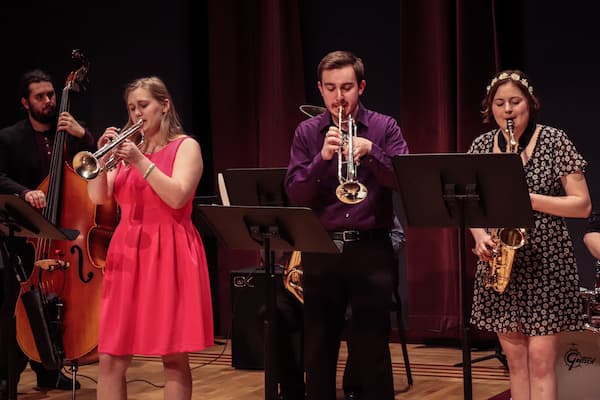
column 361, row 275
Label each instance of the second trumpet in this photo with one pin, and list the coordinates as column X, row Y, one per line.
column 89, row 166
column 350, row 190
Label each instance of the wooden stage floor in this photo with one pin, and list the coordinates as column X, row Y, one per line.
column 434, row 377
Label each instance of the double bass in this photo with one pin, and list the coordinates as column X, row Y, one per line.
column 68, row 274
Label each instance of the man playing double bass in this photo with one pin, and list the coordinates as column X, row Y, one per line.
column 25, row 153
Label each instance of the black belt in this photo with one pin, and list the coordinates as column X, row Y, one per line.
column 353, row 236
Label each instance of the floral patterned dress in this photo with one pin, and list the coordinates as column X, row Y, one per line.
column 543, row 294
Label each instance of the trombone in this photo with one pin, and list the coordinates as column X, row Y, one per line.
column 350, row 190
column 89, row 166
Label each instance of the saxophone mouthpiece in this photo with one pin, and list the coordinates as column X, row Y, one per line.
column 510, row 125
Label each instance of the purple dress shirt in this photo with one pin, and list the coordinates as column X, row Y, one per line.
column 311, row 181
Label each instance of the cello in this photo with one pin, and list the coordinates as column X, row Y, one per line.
column 67, row 274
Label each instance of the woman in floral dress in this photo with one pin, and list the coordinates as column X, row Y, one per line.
column 541, row 298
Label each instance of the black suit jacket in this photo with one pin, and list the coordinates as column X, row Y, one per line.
column 21, row 167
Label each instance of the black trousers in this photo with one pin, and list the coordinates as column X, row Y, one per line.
column 362, row 277
column 350, row 377
column 290, row 346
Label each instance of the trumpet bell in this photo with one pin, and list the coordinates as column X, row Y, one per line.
column 86, row 165
column 89, row 166
column 351, row 192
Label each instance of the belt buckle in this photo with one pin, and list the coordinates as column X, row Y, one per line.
column 350, row 236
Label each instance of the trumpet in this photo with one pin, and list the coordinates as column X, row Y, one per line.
column 350, row 190
column 89, row 166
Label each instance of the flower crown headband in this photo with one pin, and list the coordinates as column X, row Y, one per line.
column 514, row 76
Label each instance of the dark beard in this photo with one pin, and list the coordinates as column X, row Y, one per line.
column 47, row 118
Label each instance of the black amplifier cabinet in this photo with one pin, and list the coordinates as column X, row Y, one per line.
column 248, row 294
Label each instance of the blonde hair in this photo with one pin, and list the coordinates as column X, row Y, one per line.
column 170, row 124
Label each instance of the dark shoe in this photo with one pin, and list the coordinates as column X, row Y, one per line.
column 50, row 381
column 350, row 395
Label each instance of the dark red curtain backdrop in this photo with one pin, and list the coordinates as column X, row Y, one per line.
column 257, row 82
column 256, row 85
column 447, row 58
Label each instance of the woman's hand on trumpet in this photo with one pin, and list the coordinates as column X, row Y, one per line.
column 128, row 152
column 108, row 136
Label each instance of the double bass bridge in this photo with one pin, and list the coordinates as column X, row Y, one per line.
column 49, row 264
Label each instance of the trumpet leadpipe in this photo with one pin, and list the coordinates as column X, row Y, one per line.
column 89, row 166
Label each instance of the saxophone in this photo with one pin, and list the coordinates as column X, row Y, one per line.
column 507, row 240
column 292, row 276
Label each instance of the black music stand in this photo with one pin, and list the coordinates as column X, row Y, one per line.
column 256, row 186
column 268, row 228
column 19, row 219
column 465, row 191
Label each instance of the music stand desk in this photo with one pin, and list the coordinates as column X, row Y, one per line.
column 465, row 191
column 256, row 186
column 18, row 218
column 268, row 228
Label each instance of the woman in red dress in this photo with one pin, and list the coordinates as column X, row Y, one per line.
column 156, row 294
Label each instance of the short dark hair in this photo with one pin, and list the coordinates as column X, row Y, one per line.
column 32, row 76
column 338, row 59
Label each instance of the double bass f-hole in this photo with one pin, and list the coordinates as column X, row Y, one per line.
column 90, row 275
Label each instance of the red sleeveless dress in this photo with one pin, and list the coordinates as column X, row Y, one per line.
column 156, row 291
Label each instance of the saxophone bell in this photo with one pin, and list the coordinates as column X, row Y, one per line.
column 507, row 240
